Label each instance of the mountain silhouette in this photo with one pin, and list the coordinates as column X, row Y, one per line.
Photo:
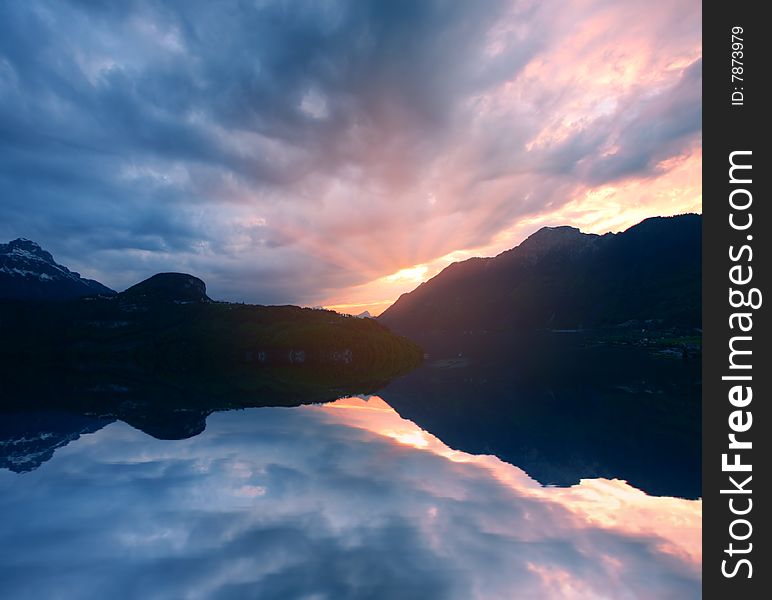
column 560, row 278
column 27, row 272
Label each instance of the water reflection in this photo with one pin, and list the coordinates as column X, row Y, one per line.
column 344, row 500
column 564, row 410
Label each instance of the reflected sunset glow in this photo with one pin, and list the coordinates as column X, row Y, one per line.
column 610, row 504
column 340, row 500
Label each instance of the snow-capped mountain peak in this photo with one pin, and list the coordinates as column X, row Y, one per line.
column 28, row 272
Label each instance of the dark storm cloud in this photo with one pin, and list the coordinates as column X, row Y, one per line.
column 243, row 67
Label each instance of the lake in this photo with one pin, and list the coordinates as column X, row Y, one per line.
column 341, row 500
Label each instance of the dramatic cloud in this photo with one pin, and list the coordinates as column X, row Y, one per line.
column 309, row 151
column 368, row 506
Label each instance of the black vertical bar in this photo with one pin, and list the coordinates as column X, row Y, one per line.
column 735, row 119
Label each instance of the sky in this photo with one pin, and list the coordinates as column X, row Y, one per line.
column 368, row 506
column 338, row 153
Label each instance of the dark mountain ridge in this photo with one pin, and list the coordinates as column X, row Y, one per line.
column 560, row 278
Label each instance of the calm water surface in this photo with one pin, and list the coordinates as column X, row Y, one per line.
column 344, row 500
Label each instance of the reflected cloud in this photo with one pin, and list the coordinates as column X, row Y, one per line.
column 600, row 502
column 345, row 500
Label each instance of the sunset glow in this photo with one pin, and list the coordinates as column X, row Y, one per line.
column 288, row 173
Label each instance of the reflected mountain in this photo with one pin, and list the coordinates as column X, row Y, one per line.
column 27, row 440
column 564, row 407
column 40, row 414
column 593, row 410
column 561, row 406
